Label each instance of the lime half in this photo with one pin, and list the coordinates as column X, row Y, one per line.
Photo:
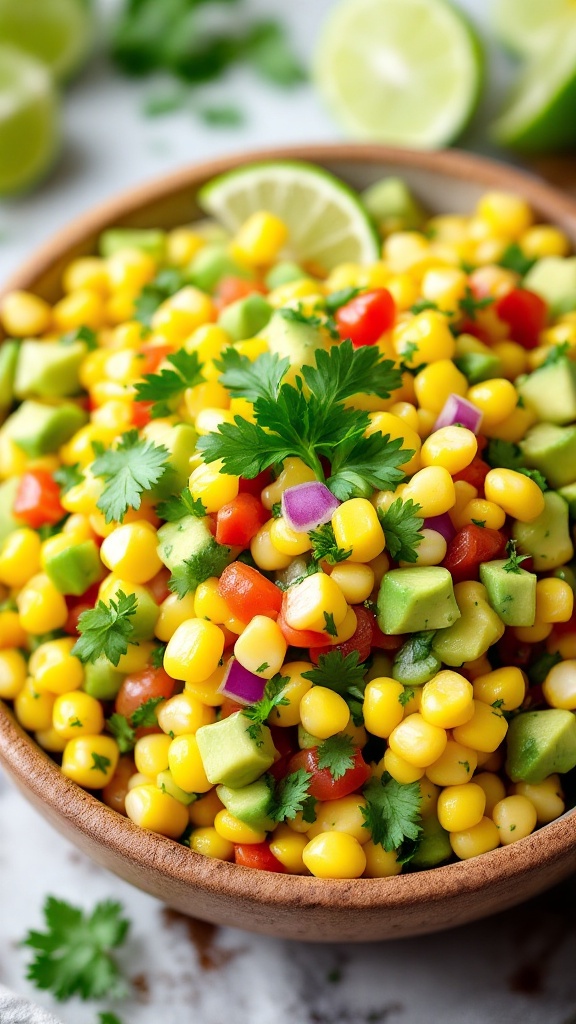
column 521, row 25
column 28, row 120
column 540, row 115
column 405, row 72
column 326, row 221
column 56, row 32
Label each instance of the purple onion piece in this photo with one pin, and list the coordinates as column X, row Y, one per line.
column 307, row 506
column 241, row 685
column 459, row 410
column 442, row 524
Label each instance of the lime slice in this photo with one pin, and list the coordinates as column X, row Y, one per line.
column 405, row 72
column 521, row 24
column 28, row 120
column 540, row 115
column 326, row 221
column 56, row 32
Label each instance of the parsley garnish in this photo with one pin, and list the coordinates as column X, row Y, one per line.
column 85, row 334
column 557, row 354
column 422, row 305
column 157, row 656
column 507, row 455
column 101, row 763
column 291, row 795
column 330, row 627
column 540, row 668
column 466, row 765
column 164, row 285
column 392, row 813
column 469, row 305
column 495, row 704
column 122, row 732
column 401, row 525
column 145, row 715
column 324, row 545
column 536, row 476
column 72, row 957
column 276, row 510
column 479, row 522
column 273, row 697
column 335, row 300
column 68, row 477
column 177, row 506
column 513, row 258
column 167, row 386
column 262, row 668
column 75, row 723
column 224, row 115
column 106, row 629
column 337, row 755
column 406, row 696
column 514, row 561
column 345, row 675
column 299, row 317
column 134, row 466
column 211, row 561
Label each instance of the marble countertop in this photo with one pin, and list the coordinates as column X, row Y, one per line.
column 517, row 968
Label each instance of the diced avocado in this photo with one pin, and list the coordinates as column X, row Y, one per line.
column 101, row 679
column 434, row 846
column 75, row 569
column 47, row 369
column 8, row 360
column 180, row 440
column 245, row 317
column 229, row 754
column 541, row 743
column 552, row 450
column 477, row 367
column 547, row 538
column 511, row 594
column 8, row 522
column 391, row 204
column 550, row 391
column 413, row 600
column 166, row 783
column 475, row 631
column 294, row 339
column 553, row 278
column 40, row 429
column 211, row 264
column 566, row 573
column 306, row 740
column 179, row 541
column 252, row 804
column 415, row 662
column 147, row 611
column 283, row 273
column 149, row 240
column 569, row 495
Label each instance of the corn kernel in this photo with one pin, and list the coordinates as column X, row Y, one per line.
column 310, row 602
column 424, row 339
column 395, row 427
column 181, row 314
column 25, row 315
column 77, row 714
column 41, row 606
column 235, row 831
column 130, row 551
column 261, row 647
column 12, row 673
column 455, row 766
column 471, row 842
column 504, row 214
column 380, row 863
column 357, row 529
column 203, row 811
column 260, row 238
column 559, row 687
column 493, row 787
column 286, row 540
column 193, row 651
column 544, row 240
column 433, row 489
column 182, row 244
column 90, row 760
column 554, row 600
column 343, row 815
column 484, row 731
column 546, row 796
column 323, row 712
column 504, row 687
column 150, row 808
column 496, row 399
column 399, row 768
column 418, row 741
column 461, row 807
column 288, row 846
column 186, row 765
column 447, row 700
column 174, row 611
column 55, row 668
column 20, row 557
column 518, row 495
column 451, row 447
column 356, row 581
column 334, row 855
column 209, row 843
column 515, row 817
column 382, row 708
column 214, row 488
column 294, row 690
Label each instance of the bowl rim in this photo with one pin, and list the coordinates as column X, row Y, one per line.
column 35, row 771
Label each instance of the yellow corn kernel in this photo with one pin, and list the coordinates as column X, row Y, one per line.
column 50, row 740
column 213, row 487
column 261, row 647
column 518, row 495
column 461, row 807
column 484, row 731
column 83, row 497
column 184, row 713
column 481, row 511
column 455, row 766
column 494, row 789
column 54, row 667
column 426, row 420
column 208, row 420
column 431, row 550
column 40, row 606
column 77, row 714
column 86, row 272
column 424, row 339
column 289, row 714
column 90, row 760
column 405, row 250
column 546, row 796
column 428, row 797
column 380, row 863
column 208, row 603
column 186, row 765
column 203, row 811
column 343, row 815
column 496, row 399
column 210, row 395
column 236, row 831
column 151, row 808
column 20, row 557
column 357, row 529
column 407, row 412
column 436, row 382
column 334, row 855
column 433, row 489
column 32, row 708
column 151, row 754
column 130, row 269
column 451, row 447
column 182, row 244
column 505, row 687
column 136, row 657
column 119, row 307
column 130, row 551
column 504, row 214
column 82, row 308
column 403, row 289
column 471, row 842
column 418, row 741
column 491, row 762
column 379, row 566
column 395, row 427
column 209, row 843
column 512, row 357
column 554, row 600
column 464, row 493
column 294, row 472
column 193, row 651
column 181, row 314
column 295, row 291
column 382, row 708
column 309, row 603
column 323, row 712
column 564, row 645
column 288, row 846
column 447, row 700
column 533, row 634
column 544, row 240
column 12, row 634
column 444, row 286
column 260, row 238
column 356, row 581
column 25, row 315
column 252, row 347
column 174, row 611
column 559, row 687
column 399, row 768
column 12, row 673
column 208, row 341
column 286, row 540
column 515, row 817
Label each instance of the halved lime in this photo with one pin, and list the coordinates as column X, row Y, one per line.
column 28, row 120
column 405, row 72
column 522, row 24
column 326, row 221
column 540, row 115
column 56, row 32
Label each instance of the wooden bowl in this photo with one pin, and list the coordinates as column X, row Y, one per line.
column 284, row 905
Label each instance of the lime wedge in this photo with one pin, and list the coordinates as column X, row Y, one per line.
column 56, row 32
column 405, row 72
column 521, row 24
column 540, row 115
column 28, row 120
column 326, row 221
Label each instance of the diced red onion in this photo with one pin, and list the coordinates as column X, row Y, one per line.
column 241, row 685
column 307, row 506
column 442, row 524
column 459, row 410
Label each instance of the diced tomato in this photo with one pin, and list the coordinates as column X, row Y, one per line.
column 239, row 520
column 229, row 707
column 141, row 414
column 248, row 593
column 386, row 641
column 256, row 485
column 284, row 739
column 475, row 329
column 37, row 501
column 300, row 637
column 512, row 652
column 153, row 355
column 366, row 317
column 360, row 641
column 471, row 546
column 230, row 289
column 71, row 625
column 475, row 473
column 257, row 855
column 526, row 315
column 322, row 785
column 158, row 586
column 280, row 768
column 139, row 687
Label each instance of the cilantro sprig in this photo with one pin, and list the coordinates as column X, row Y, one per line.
column 163, row 389
column 210, row 561
column 292, row 796
column 337, row 755
column 124, row 729
column 507, row 455
column 166, row 283
column 402, row 525
column 345, row 675
column 324, row 546
column 68, row 477
column 392, row 812
column 514, row 563
column 469, row 305
column 134, row 466
column 106, row 629
column 272, row 697
column 177, row 506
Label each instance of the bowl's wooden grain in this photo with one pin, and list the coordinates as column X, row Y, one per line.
column 282, row 905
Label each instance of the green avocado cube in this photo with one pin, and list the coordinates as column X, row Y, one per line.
column 474, row 632
column 283, row 273
column 8, row 522
column 553, row 278
column 76, row 568
column 433, row 846
column 569, row 495
column 413, row 600
column 295, row 340
column 512, row 595
column 213, row 262
column 143, row 621
column 252, row 804
column 41, row 429
column 177, row 542
column 230, row 755
column 8, row 361
column 47, row 369
column 149, row 240
column 415, row 663
column 166, row 783
column 550, row 392
column 552, row 450
column 541, row 743
column 392, row 205
column 546, row 539
column 101, row 679
column 245, row 317
column 478, row 367
column 180, row 440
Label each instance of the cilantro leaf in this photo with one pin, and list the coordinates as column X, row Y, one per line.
column 406, row 696
column 106, row 629
column 536, row 476
column 268, row 50
column 335, row 300
column 330, row 626
column 85, row 334
column 157, row 656
column 421, row 306
column 513, row 258
column 134, row 466
column 324, row 546
column 503, row 454
column 165, row 387
column 72, row 957
column 402, row 525
column 122, row 732
column 101, row 763
column 245, row 378
column 514, row 562
column 343, row 371
column 469, row 305
column 222, row 115
column 337, row 755
column 146, row 715
column 366, row 464
column 557, row 354
column 291, row 795
column 162, row 287
column 177, row 506
column 298, row 316
column 273, row 697
column 392, row 813
column 540, row 668
column 108, row 1018
column 245, row 448
column 211, row 561
column 68, row 477
column 345, row 675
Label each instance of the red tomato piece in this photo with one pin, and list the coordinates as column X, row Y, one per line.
column 239, row 520
column 385, row 641
column 153, row 355
column 475, row 473
column 475, row 329
column 229, row 707
column 257, row 484
column 231, row 289
column 360, row 641
column 365, row 318
column 526, row 315
column 141, row 415
column 285, row 739
column 257, row 855
column 299, row 637
column 139, row 687
column 248, row 593
column 322, row 785
column 471, row 546
column 37, row 501
column 158, row 586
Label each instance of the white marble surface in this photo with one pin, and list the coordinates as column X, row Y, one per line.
column 516, row 969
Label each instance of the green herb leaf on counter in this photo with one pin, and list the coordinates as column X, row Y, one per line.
column 258, row 713
column 169, row 385
column 268, row 50
column 211, row 561
column 180, row 505
column 291, row 795
column 106, row 629
column 337, row 755
column 392, row 814
column 132, row 467
column 402, row 525
column 108, row 1018
column 222, row 116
